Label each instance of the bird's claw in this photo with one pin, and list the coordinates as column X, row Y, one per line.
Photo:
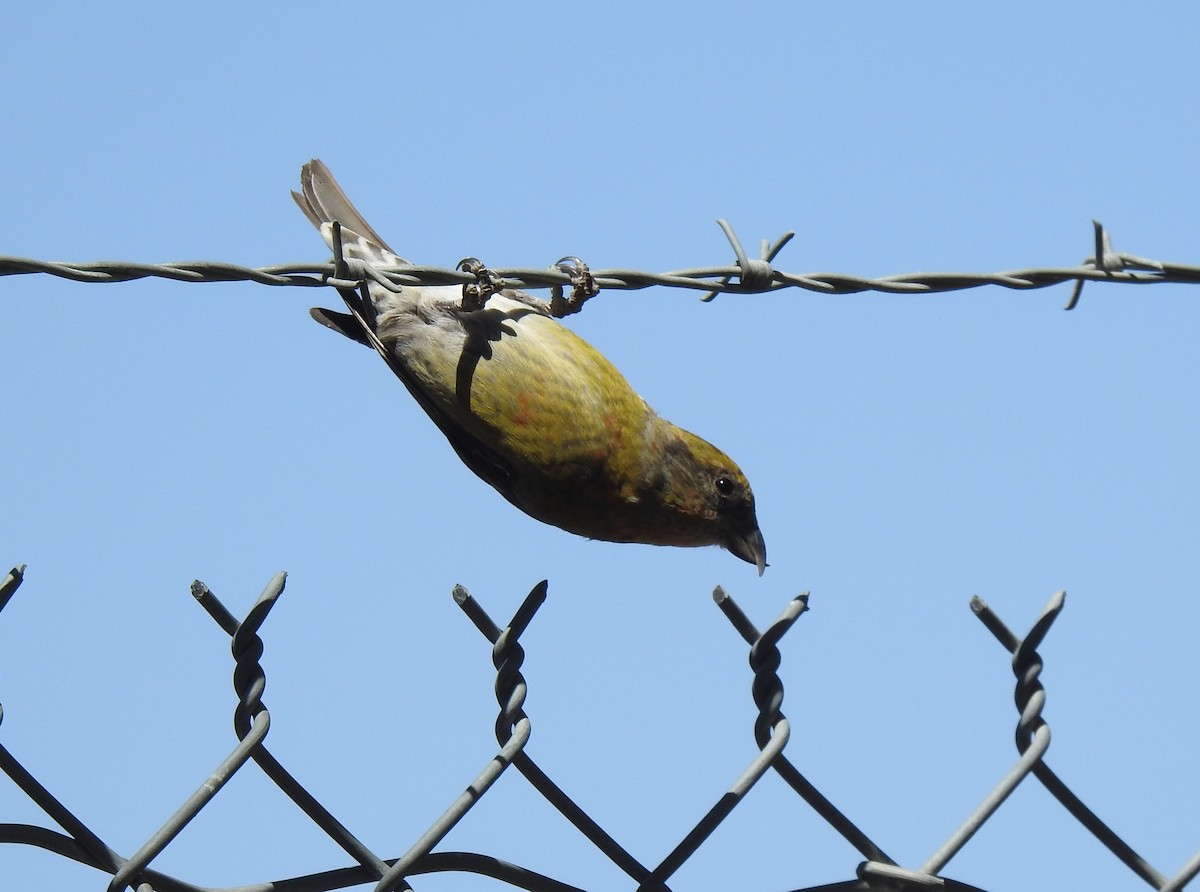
column 475, row 294
column 583, row 286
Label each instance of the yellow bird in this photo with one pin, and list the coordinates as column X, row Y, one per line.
column 535, row 410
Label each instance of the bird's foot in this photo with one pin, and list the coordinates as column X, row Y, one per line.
column 487, row 283
column 583, row 286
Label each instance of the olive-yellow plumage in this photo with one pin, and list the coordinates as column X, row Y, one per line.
column 535, row 410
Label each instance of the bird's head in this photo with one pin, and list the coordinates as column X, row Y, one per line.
column 711, row 497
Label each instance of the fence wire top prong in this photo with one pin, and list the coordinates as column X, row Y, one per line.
column 475, row 613
column 749, row 632
column 214, row 608
column 10, row 583
column 524, row 615
column 994, row 624
column 1043, row 623
column 484, row 623
column 1006, row 636
column 736, row 616
column 258, row 613
column 786, row 619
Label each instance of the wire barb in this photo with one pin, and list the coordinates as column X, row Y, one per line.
column 756, row 275
column 1105, row 260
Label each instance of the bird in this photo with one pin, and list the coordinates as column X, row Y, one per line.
column 531, row 407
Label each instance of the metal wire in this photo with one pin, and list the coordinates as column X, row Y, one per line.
column 771, row 732
column 747, row 276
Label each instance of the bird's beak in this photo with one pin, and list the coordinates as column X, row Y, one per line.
column 750, row 547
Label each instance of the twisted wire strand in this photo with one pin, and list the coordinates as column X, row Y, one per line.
column 787, row 771
column 708, row 279
column 769, row 751
column 1034, row 736
column 249, row 682
column 512, row 727
column 1029, row 697
column 522, row 761
column 744, row 276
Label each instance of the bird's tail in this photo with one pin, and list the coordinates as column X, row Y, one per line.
column 324, row 203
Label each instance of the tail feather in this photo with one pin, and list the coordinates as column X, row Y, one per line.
column 323, row 202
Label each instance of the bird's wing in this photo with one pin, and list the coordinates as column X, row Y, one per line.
column 323, row 202
column 474, row 453
column 342, row 323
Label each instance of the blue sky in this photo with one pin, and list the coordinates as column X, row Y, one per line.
column 906, row 452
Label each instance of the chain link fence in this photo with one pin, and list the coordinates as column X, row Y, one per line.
column 771, row 730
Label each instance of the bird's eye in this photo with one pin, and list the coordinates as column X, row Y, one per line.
column 724, row 485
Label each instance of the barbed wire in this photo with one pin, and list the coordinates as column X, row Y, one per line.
column 512, row 728
column 746, row 276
